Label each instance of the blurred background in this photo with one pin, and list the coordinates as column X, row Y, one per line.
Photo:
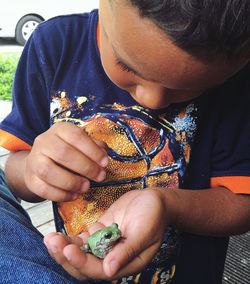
column 18, row 19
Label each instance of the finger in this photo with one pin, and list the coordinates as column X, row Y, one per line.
column 77, row 137
column 58, row 241
column 124, row 259
column 87, row 264
column 75, row 240
column 95, row 227
column 74, row 160
column 55, row 243
column 58, row 176
column 102, row 144
column 46, row 191
column 84, row 237
column 132, row 253
column 73, row 260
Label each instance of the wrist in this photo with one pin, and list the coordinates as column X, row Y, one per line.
column 171, row 203
column 15, row 175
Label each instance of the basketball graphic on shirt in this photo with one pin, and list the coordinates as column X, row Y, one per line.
column 139, row 157
column 144, row 151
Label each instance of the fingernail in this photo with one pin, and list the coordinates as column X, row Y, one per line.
column 85, row 186
column 104, row 162
column 67, row 256
column 113, row 267
column 75, row 196
column 54, row 249
column 101, row 176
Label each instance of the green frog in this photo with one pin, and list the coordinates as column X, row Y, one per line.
column 102, row 241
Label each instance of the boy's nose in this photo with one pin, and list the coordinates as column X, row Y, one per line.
column 151, row 96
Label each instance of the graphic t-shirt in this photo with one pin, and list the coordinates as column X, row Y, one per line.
column 191, row 145
column 146, row 150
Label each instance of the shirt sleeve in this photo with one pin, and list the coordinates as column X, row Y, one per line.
column 30, row 112
column 231, row 151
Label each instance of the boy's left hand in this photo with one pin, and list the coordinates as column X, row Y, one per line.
column 142, row 218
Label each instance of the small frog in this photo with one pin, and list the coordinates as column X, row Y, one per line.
column 102, row 241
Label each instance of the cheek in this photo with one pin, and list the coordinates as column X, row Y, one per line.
column 122, row 79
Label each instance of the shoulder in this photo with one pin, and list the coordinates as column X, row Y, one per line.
column 233, row 99
column 65, row 22
column 237, row 89
column 62, row 39
column 60, row 30
column 230, row 99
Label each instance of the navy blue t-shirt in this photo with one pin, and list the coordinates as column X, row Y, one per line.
column 192, row 145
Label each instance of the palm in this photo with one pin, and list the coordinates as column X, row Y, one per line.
column 140, row 215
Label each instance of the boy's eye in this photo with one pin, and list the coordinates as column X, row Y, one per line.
column 124, row 67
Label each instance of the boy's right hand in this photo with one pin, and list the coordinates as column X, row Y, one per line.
column 62, row 161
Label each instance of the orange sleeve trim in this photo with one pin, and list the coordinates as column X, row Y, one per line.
column 11, row 142
column 237, row 184
column 98, row 35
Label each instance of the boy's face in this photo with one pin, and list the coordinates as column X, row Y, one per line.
column 139, row 58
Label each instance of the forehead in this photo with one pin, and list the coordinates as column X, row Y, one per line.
column 148, row 49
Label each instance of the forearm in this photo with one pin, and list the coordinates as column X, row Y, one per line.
column 15, row 172
column 214, row 212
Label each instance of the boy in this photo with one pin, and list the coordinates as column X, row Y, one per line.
column 158, row 102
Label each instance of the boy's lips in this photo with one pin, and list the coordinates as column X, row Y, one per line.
column 149, row 106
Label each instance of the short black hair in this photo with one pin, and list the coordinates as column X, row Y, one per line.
column 204, row 28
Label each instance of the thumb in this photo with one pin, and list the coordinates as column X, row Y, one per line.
column 123, row 253
column 128, row 257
